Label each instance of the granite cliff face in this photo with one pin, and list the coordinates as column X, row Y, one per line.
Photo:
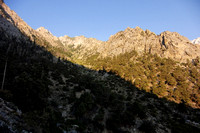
column 130, row 39
column 49, row 37
column 178, row 47
column 167, row 44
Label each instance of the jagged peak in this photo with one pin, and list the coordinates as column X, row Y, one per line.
column 128, row 29
column 174, row 35
column 166, row 32
column 148, row 32
column 65, row 36
column 43, row 30
column 81, row 36
column 138, row 28
column 170, row 33
column 196, row 41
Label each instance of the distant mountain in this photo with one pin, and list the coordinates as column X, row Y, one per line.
column 196, row 41
column 167, row 44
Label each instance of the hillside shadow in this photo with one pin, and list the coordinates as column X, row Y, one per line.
column 27, row 85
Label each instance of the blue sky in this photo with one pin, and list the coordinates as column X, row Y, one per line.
column 102, row 18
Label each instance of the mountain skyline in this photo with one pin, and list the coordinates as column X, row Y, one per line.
column 102, row 19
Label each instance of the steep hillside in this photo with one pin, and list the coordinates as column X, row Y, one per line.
column 58, row 96
column 21, row 28
column 178, row 82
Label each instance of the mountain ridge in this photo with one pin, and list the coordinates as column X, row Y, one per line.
column 167, row 44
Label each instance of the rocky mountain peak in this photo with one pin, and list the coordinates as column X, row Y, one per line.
column 173, row 38
column 167, row 44
column 43, row 30
column 129, row 29
column 82, row 37
column 196, row 41
column 53, row 40
column 137, row 28
column 148, row 33
column 79, row 40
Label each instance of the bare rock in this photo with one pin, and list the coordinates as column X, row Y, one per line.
column 196, row 41
column 10, row 117
column 167, row 44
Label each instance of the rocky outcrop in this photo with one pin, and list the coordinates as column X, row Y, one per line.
column 167, row 44
column 10, row 117
column 81, row 46
column 130, row 39
column 177, row 47
column 196, row 41
column 15, row 27
column 53, row 40
column 79, row 40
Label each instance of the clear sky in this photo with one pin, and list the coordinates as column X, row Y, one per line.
column 102, row 18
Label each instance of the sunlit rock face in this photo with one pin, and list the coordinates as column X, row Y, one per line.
column 196, row 41
column 167, row 44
